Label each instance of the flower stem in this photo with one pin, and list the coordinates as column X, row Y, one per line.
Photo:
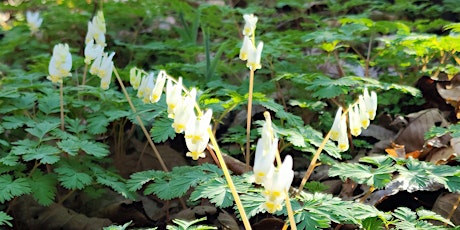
column 235, row 195
column 83, row 81
column 313, row 163
column 290, row 212
column 61, row 97
column 248, row 120
column 141, row 124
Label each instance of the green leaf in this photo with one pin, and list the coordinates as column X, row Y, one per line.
column 253, row 203
column 41, row 129
column 70, row 146
column 363, row 174
column 43, row 187
column 46, row 154
column 72, row 175
column 49, row 104
column 315, row 186
column 139, row 179
column 162, row 130
column 96, row 149
column 13, row 122
column 430, row 215
column 114, row 182
column 5, row 219
column 216, row 190
column 97, row 124
column 373, row 223
column 10, row 188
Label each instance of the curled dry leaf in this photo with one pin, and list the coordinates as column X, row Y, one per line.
column 412, row 137
column 452, row 96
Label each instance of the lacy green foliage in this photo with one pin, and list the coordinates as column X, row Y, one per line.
column 37, row 156
column 189, row 225
column 412, row 174
column 5, row 219
column 174, row 184
column 435, row 131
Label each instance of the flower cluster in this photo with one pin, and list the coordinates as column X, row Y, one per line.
column 94, row 50
column 181, row 107
column 34, row 21
column 359, row 116
column 60, row 63
column 276, row 181
column 249, row 51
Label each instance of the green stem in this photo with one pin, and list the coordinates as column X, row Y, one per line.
column 313, row 164
column 61, row 97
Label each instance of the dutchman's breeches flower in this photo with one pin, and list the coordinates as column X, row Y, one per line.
column 197, row 135
column 184, row 111
column 263, row 161
column 335, row 130
column 371, row 103
column 254, row 57
column 34, row 21
column 155, row 95
column 103, row 68
column 135, row 77
column 60, row 63
column 355, row 120
column 250, row 24
column 277, row 187
column 92, row 51
column 146, row 88
column 173, row 95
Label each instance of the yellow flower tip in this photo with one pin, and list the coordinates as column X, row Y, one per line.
column 259, row 177
column 272, row 207
column 178, row 128
column 343, row 147
column 196, row 155
column 355, row 131
column 334, row 135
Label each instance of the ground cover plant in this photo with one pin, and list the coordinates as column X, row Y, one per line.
column 177, row 114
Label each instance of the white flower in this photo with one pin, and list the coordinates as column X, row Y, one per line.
column 60, row 63
column 197, row 135
column 135, row 77
column 96, row 30
column 183, row 111
column 173, row 95
column 103, row 67
column 92, row 51
column 246, row 47
column 34, row 21
column 146, row 88
column 278, row 185
column 335, row 130
column 364, row 115
column 342, row 141
column 267, row 134
column 355, row 120
column 371, row 103
column 263, row 161
column 250, row 24
column 155, row 95
column 254, row 56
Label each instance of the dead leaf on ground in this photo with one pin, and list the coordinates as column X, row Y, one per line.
column 412, row 137
column 444, row 205
column 28, row 214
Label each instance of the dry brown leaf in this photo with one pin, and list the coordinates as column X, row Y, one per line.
column 28, row 214
column 441, row 156
column 444, row 205
column 412, row 137
column 452, row 96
